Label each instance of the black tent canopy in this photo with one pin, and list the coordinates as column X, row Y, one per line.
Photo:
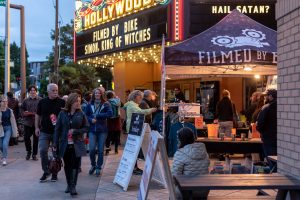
column 235, row 46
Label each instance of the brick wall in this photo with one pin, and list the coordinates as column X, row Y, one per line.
column 288, row 41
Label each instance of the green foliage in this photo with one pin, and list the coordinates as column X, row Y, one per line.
column 15, row 52
column 75, row 76
column 72, row 75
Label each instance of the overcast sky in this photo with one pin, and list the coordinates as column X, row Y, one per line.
column 39, row 20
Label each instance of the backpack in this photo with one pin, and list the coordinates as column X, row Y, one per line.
column 115, row 110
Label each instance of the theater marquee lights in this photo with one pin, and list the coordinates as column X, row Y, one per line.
column 140, row 29
column 98, row 12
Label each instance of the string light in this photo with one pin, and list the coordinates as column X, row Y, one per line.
column 150, row 54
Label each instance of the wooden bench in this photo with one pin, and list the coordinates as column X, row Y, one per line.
column 280, row 182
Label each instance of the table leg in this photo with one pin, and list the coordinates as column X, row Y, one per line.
column 294, row 194
column 281, row 194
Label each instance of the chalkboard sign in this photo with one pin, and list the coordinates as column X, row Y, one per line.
column 131, row 150
column 136, row 124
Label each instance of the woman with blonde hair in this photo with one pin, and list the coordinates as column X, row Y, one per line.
column 68, row 138
column 8, row 127
column 132, row 106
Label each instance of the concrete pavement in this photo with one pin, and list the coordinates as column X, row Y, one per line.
column 20, row 180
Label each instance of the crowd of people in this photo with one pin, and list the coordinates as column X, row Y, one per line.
column 63, row 124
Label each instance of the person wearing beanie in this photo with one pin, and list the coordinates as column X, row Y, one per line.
column 267, row 124
column 190, row 159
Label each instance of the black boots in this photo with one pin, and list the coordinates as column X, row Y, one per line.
column 68, row 179
column 71, row 177
column 73, row 182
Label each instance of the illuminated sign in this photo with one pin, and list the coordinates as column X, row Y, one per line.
column 99, row 12
column 249, row 9
column 202, row 16
column 141, row 29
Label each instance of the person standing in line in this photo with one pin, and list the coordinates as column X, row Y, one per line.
column 86, row 100
column 29, row 108
column 132, row 106
column 97, row 112
column 8, row 127
column 69, row 139
column 267, row 125
column 254, row 100
column 13, row 104
column 147, row 103
column 113, row 123
column 45, row 121
column 224, row 113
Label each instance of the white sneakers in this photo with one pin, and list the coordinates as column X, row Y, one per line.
column 4, row 162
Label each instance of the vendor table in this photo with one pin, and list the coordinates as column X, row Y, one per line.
column 203, row 132
column 215, row 145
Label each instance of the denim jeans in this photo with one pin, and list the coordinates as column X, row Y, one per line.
column 44, row 142
column 99, row 140
column 225, row 127
column 4, row 141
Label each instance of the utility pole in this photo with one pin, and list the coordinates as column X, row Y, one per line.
column 23, row 51
column 7, row 48
column 56, row 61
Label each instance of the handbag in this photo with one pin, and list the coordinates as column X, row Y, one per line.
column 55, row 163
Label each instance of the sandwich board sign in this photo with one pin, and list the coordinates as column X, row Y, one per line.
column 131, row 150
column 156, row 144
column 158, row 169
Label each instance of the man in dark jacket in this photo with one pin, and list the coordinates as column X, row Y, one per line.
column 147, row 103
column 267, row 124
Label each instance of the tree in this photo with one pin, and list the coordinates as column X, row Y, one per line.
column 15, row 53
column 75, row 76
column 71, row 75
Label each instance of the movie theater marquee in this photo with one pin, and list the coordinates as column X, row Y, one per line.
column 115, row 34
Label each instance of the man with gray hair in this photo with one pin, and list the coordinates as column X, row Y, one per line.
column 45, row 120
column 147, row 103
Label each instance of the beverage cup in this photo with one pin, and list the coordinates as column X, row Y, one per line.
column 243, row 136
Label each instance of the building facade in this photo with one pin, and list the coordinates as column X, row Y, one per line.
column 37, row 71
column 126, row 35
column 288, row 19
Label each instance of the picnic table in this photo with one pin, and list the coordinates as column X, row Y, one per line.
column 283, row 183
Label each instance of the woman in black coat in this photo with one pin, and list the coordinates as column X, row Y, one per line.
column 68, row 139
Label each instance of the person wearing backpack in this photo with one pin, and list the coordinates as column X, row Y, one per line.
column 113, row 123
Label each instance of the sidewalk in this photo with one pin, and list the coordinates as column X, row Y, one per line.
column 20, row 180
column 107, row 189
